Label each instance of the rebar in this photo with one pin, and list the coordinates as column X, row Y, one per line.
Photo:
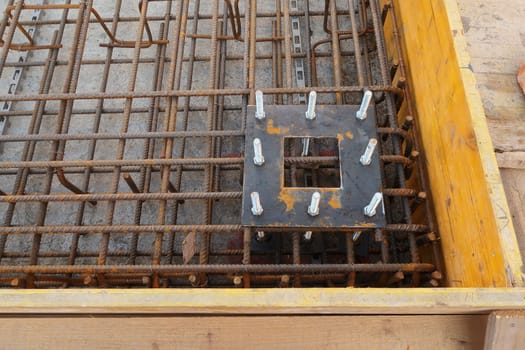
column 123, row 166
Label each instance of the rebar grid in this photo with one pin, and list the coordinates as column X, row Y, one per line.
column 124, row 166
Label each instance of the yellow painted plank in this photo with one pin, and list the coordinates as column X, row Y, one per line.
column 262, row 301
column 478, row 241
column 496, row 191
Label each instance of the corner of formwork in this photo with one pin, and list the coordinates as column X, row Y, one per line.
column 500, row 207
column 492, row 244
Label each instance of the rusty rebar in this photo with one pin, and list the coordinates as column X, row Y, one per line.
column 219, row 268
column 177, row 111
column 115, row 42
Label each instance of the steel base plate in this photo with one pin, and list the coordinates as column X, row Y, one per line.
column 287, row 206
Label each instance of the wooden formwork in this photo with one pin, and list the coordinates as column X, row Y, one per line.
column 480, row 248
column 479, row 243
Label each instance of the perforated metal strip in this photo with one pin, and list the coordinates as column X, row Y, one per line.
column 19, row 70
column 298, row 48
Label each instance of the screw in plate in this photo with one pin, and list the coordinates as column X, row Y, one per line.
column 362, row 112
column 258, row 159
column 259, row 105
column 366, row 158
column 257, row 208
column 370, row 209
column 310, row 112
column 313, row 209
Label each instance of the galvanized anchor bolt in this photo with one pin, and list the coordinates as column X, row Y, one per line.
column 370, row 209
column 257, row 208
column 362, row 112
column 366, row 158
column 258, row 159
column 313, row 209
column 307, row 235
column 310, row 112
column 259, row 105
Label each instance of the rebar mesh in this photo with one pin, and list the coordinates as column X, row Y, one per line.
column 123, row 143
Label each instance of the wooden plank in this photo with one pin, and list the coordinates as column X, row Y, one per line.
column 511, row 160
column 334, row 301
column 505, row 331
column 469, row 201
column 502, row 215
column 507, row 134
column 285, row 332
column 514, row 180
column 496, row 43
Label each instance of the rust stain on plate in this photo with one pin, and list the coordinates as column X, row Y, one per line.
column 288, row 199
column 273, row 130
column 335, row 201
column 366, row 224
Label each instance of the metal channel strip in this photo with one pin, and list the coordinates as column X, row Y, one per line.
column 299, row 64
column 298, row 49
column 19, row 70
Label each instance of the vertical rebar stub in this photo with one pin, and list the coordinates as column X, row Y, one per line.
column 366, row 158
column 260, row 234
column 363, row 110
column 258, row 158
column 370, row 209
column 259, row 105
column 307, row 235
column 313, row 208
column 306, row 147
column 310, row 112
column 257, row 208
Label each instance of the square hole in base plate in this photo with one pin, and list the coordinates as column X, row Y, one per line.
column 339, row 140
column 321, row 166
